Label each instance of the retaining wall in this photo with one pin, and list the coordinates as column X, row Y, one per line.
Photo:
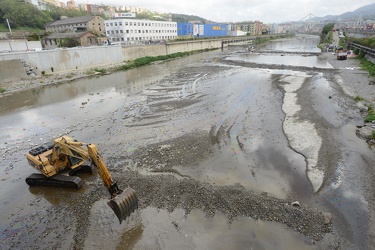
column 60, row 60
column 68, row 59
column 11, row 70
column 134, row 52
column 193, row 45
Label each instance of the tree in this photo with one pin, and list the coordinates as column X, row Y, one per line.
column 325, row 36
column 22, row 14
column 70, row 42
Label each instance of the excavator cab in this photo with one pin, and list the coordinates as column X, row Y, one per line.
column 67, row 155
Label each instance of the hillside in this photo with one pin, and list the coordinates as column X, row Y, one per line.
column 179, row 18
column 367, row 11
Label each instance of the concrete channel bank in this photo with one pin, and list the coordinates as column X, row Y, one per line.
column 59, row 60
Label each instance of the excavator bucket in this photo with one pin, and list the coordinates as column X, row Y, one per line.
column 124, row 204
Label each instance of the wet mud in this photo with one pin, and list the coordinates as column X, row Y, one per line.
column 223, row 152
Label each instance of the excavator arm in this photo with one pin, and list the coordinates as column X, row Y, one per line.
column 123, row 203
column 103, row 170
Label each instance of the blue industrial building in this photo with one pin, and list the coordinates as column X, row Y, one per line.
column 185, row 30
column 202, row 30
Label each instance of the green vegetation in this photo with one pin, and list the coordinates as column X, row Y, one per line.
column 149, row 59
column 365, row 64
column 181, row 18
column 370, row 117
column 358, row 98
column 69, row 42
column 373, row 135
column 368, row 66
column 370, row 113
column 326, row 35
column 101, row 71
column 27, row 16
column 2, row 90
column 368, row 42
column 370, row 108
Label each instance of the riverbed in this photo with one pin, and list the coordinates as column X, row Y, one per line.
column 225, row 149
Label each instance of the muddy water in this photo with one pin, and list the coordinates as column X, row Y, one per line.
column 250, row 117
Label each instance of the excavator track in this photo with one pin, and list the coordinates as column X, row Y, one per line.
column 58, row 180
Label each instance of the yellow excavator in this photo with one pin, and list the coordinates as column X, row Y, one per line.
column 59, row 160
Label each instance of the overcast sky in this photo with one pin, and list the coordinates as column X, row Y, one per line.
column 267, row 11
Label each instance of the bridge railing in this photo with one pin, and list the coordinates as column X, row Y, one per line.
column 367, row 50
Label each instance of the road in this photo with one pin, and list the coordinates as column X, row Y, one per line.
column 226, row 150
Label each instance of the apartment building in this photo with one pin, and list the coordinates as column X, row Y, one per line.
column 131, row 31
column 251, row 28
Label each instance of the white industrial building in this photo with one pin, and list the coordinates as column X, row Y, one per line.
column 133, row 31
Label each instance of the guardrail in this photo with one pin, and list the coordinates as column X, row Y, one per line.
column 367, row 50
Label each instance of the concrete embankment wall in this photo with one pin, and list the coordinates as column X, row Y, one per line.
column 68, row 59
column 134, row 52
column 60, row 60
column 11, row 70
column 192, row 46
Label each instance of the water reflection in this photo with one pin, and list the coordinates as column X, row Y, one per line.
column 123, row 83
column 292, row 60
column 298, row 44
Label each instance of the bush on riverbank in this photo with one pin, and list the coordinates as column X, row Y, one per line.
column 149, row 59
column 371, row 114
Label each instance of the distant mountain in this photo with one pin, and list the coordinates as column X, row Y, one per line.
column 367, row 11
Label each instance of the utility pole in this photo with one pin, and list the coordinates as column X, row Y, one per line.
column 10, row 46
column 9, row 27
